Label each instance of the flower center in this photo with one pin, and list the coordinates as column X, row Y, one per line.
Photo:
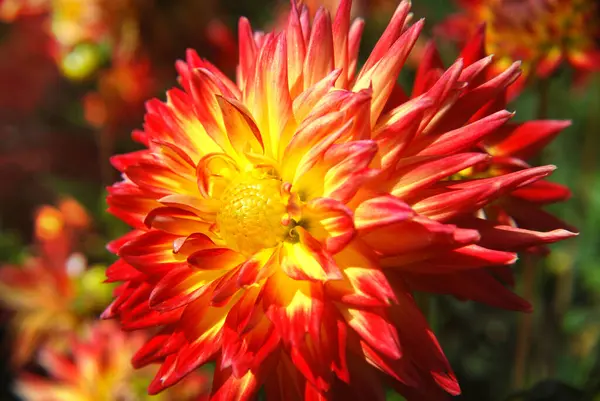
column 250, row 217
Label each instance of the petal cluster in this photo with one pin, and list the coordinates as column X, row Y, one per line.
column 510, row 148
column 282, row 222
column 542, row 34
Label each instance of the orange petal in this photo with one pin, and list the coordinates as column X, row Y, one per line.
column 331, row 223
column 319, row 60
column 306, row 260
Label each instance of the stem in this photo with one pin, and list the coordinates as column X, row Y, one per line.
column 525, row 325
column 589, row 154
column 544, row 99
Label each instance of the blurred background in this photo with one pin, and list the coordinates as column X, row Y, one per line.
column 74, row 76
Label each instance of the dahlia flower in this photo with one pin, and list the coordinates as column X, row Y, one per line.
column 541, row 33
column 281, row 223
column 97, row 367
column 51, row 293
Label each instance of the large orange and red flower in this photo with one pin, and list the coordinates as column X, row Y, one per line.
column 541, row 33
column 281, row 223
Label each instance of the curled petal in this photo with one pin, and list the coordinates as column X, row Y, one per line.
column 215, row 259
column 215, row 171
column 241, row 128
column 176, row 221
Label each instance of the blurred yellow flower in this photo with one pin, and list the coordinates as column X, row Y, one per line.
column 541, row 33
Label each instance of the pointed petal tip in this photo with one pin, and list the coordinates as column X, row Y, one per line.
column 488, row 59
column 155, row 387
column 448, row 382
column 565, row 234
column 455, row 70
column 559, row 124
column 402, row 6
column 107, row 314
column 467, row 236
column 566, row 123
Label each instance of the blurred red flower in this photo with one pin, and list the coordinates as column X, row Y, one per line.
column 53, row 291
column 122, row 90
column 96, row 366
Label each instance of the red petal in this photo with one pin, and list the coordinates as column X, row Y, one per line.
column 179, row 287
column 508, row 238
column 294, row 307
column 542, row 192
column 476, row 285
column 375, row 329
column 525, row 140
column 227, row 387
column 380, row 212
column 417, row 173
column 121, row 271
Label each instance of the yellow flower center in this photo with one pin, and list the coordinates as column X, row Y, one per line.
column 251, row 214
